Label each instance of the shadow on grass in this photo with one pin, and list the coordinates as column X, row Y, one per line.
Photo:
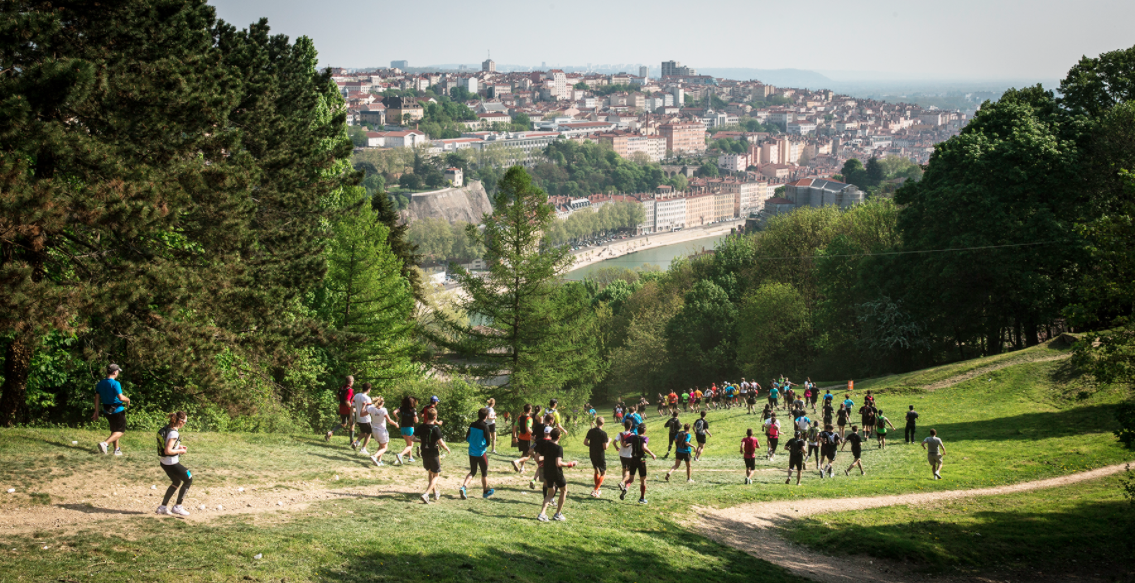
column 1029, row 426
column 89, row 509
column 1086, row 540
column 565, row 554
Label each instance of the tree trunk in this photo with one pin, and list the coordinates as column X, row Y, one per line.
column 1032, row 334
column 993, row 341
column 17, row 365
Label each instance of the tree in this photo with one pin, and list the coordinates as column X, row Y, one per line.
column 537, row 333
column 581, row 86
column 774, row 340
column 1095, row 85
column 701, row 337
column 358, row 135
column 875, row 173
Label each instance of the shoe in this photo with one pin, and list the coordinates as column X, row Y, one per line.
column 789, row 480
column 516, row 466
column 532, row 484
column 489, row 494
column 821, row 474
column 846, row 473
column 102, row 447
column 594, row 494
column 398, row 457
column 354, row 445
column 327, row 436
column 463, row 493
column 437, row 496
column 667, row 477
column 623, row 494
column 542, row 517
column 426, row 497
column 642, row 501
column 178, row 510
column 494, row 451
column 411, row 460
column 831, row 473
column 364, row 451
column 560, row 517
column 689, row 481
column 162, row 510
column 117, row 452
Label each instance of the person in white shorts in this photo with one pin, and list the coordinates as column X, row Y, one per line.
column 491, row 421
column 379, row 418
column 359, row 403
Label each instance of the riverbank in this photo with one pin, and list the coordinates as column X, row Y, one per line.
column 593, row 255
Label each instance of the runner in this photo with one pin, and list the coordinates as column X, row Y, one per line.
column 618, row 411
column 430, row 434
column 716, row 396
column 743, row 392
column 554, row 476
column 935, row 451
column 802, row 422
column 661, row 404
column 829, row 399
column 841, row 419
column 637, row 463
column 623, row 441
column 491, row 422
column 674, row 426
column 672, row 399
column 432, row 405
column 815, row 393
column 169, row 454
column 774, row 397
column 730, row 395
column 597, row 442
column 813, row 436
column 522, row 436
column 848, row 403
column 795, row 447
column 867, row 418
column 683, row 454
column 685, row 399
column 359, row 403
column 772, row 435
column 346, row 415
column 701, row 431
column 881, row 423
column 541, row 434
column 479, row 437
column 112, row 403
column 751, row 398
column 407, row 419
column 829, row 441
column 697, row 395
column 635, row 416
column 809, row 397
column 749, row 447
column 827, row 413
column 911, row 425
column 856, row 450
column 379, row 418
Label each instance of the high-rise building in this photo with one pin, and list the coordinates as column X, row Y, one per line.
column 489, row 66
column 644, row 71
column 675, row 69
column 399, row 64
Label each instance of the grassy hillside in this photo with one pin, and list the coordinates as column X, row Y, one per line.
column 343, row 519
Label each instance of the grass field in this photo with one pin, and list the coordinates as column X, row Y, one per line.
column 1024, row 422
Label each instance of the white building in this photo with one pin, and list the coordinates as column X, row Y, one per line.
column 733, row 162
column 669, row 214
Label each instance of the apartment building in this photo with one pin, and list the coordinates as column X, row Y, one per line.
column 699, row 209
column 684, row 137
column 626, row 144
column 724, row 205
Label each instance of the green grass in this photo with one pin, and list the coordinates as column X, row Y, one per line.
column 1077, row 528
column 1025, row 422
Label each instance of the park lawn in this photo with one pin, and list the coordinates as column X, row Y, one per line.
column 1025, row 422
column 1071, row 529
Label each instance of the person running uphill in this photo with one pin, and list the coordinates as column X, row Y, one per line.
column 110, row 400
column 749, row 447
column 169, row 454
column 479, row 437
column 359, row 403
column 554, row 476
column 881, row 424
column 935, row 451
column 911, row 425
column 639, row 451
column 856, row 450
column 597, row 443
column 432, row 444
column 407, row 419
column 683, row 455
column 701, row 431
column 795, row 447
column 379, row 419
column 522, row 435
column 346, row 395
column 674, row 425
column 772, row 435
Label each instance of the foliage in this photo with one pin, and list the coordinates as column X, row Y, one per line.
column 604, row 90
column 700, row 337
column 614, row 216
column 773, row 341
column 579, row 170
column 731, row 146
column 440, row 241
column 440, row 120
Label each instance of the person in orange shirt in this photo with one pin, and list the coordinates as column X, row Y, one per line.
column 672, row 398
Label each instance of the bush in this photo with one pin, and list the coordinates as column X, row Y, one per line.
column 458, row 402
column 1125, row 415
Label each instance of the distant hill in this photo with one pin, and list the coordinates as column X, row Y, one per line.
column 796, row 78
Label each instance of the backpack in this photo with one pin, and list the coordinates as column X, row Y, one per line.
column 637, row 446
column 833, row 439
column 699, row 426
column 343, row 392
column 163, row 437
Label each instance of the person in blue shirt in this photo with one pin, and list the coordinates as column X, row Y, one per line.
column 848, row 403
column 682, row 440
column 112, row 403
column 478, row 437
column 635, row 417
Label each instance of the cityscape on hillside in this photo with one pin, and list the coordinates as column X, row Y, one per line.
column 751, row 147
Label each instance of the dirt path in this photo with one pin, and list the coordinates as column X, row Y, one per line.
column 752, row 529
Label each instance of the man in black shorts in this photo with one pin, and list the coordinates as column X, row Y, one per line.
column 829, row 441
column 701, row 431
column 674, row 425
column 683, row 439
column 637, row 462
column 597, row 442
column 856, row 450
column 554, row 476
column 796, row 447
column 432, row 443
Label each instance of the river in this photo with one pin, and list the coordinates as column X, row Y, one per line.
column 660, row 256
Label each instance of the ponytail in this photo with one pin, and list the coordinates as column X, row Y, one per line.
column 177, row 417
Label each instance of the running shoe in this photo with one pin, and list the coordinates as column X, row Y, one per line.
column 426, row 497
column 788, row 481
column 178, row 510
column 398, row 457
column 846, row 473
column 376, row 462
column 559, row 516
column 689, row 481
column 364, row 451
column 327, row 436
column 102, row 447
column 516, row 466
column 542, row 517
column 354, row 445
column 411, row 460
column 463, row 493
column 162, row 510
column 532, row 484
column 489, row 494
column 623, row 494
column 667, row 477
column 117, row 452
column 642, row 501
column 437, row 495
column 821, row 474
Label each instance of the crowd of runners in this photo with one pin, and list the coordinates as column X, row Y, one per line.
column 536, row 434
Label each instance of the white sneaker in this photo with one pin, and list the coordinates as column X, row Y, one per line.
column 542, row 518
column 178, row 510
column 376, row 462
column 118, row 452
column 364, row 451
column 437, row 496
column 102, row 447
column 162, row 510
column 426, row 497
column 398, row 457
column 560, row 517
column 689, row 481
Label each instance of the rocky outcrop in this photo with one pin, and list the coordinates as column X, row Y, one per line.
column 466, row 204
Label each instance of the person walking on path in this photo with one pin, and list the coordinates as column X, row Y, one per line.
column 169, row 454
column 479, row 439
column 856, row 442
column 749, row 447
column 683, row 455
column 674, row 426
column 345, row 395
column 554, row 477
column 701, row 431
column 935, row 451
column 407, row 420
column 795, row 447
column 432, row 444
column 597, row 443
column 110, row 400
column 360, row 402
column 911, row 425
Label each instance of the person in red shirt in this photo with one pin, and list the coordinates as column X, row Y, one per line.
column 672, row 398
column 749, row 447
column 346, row 411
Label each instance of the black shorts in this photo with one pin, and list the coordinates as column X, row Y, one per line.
column 177, row 473
column 556, row 481
column 117, row 422
column 599, row 462
column 479, row 461
column 700, row 438
column 856, row 453
column 523, row 445
column 637, row 466
column 682, row 456
column 827, row 453
column 364, row 428
column 432, row 462
column 346, row 419
column 796, row 462
column 750, row 463
column 813, row 399
column 626, row 463
column 492, row 427
column 752, row 400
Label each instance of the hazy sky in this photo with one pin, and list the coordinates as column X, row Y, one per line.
column 962, row 39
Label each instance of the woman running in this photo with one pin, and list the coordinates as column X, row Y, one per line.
column 379, row 419
column 407, row 418
column 491, row 422
column 169, row 452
